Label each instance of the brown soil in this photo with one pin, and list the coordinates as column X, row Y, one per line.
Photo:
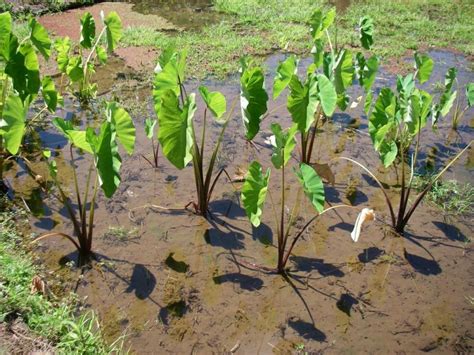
column 67, row 23
column 16, row 338
column 181, row 284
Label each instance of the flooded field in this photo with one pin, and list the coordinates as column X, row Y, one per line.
column 171, row 281
column 168, row 279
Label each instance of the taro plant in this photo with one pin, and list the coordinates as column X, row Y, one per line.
column 395, row 125
column 177, row 135
column 103, row 170
column 256, row 187
column 77, row 62
column 312, row 101
column 150, row 128
column 21, row 84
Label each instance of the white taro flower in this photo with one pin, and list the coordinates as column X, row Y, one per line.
column 366, row 214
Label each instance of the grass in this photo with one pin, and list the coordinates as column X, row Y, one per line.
column 47, row 316
column 450, row 195
column 259, row 27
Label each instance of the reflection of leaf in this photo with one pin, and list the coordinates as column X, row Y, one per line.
column 325, row 172
column 365, row 215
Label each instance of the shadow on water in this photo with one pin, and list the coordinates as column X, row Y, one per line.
column 422, row 265
column 451, row 232
column 178, row 266
column 263, row 233
column 343, row 226
column 306, row 330
column 370, row 254
column 345, row 303
column 309, row 264
column 142, row 281
column 227, row 208
column 228, row 240
column 245, row 282
column 176, row 309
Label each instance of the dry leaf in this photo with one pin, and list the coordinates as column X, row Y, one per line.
column 239, row 175
column 366, row 214
column 38, row 285
column 325, row 172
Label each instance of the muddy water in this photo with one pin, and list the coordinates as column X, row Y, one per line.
column 185, row 14
column 173, row 282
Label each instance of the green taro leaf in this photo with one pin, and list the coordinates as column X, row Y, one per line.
column 470, row 94
column 382, row 124
column 150, row 125
column 424, row 66
column 450, row 77
column 107, row 159
column 113, row 30
column 368, row 102
column 63, row 47
column 421, row 108
column 327, row 95
column 367, row 70
column 254, row 192
column 101, row 54
column 40, row 38
column 87, row 30
column 285, row 71
column 253, row 100
column 283, row 144
column 23, row 68
column 74, row 69
column 319, row 23
column 14, row 114
column 169, row 74
column 312, row 186
column 79, row 140
column 214, row 101
column 366, row 27
column 344, row 71
column 5, row 32
column 50, row 94
column 303, row 101
column 122, row 125
column 318, row 53
column 176, row 130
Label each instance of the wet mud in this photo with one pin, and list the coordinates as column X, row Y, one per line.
column 174, row 282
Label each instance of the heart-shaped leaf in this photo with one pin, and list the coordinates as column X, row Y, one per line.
column 63, row 47
column 327, row 94
column 5, row 32
column 313, row 186
column 122, row 125
column 150, row 125
column 424, row 67
column 40, row 38
column 254, row 192
column 303, row 101
column 366, row 28
column 214, row 101
column 113, row 26
column 87, row 30
column 283, row 143
column 285, row 71
column 50, row 94
column 176, row 131
column 14, row 114
column 253, row 99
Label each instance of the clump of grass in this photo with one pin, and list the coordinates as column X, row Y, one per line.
column 51, row 318
column 450, row 195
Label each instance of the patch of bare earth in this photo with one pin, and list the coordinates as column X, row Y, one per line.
column 16, row 338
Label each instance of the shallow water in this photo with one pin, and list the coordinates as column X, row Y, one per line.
column 177, row 283
column 185, row 14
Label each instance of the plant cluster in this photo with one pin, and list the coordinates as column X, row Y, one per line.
column 396, row 120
